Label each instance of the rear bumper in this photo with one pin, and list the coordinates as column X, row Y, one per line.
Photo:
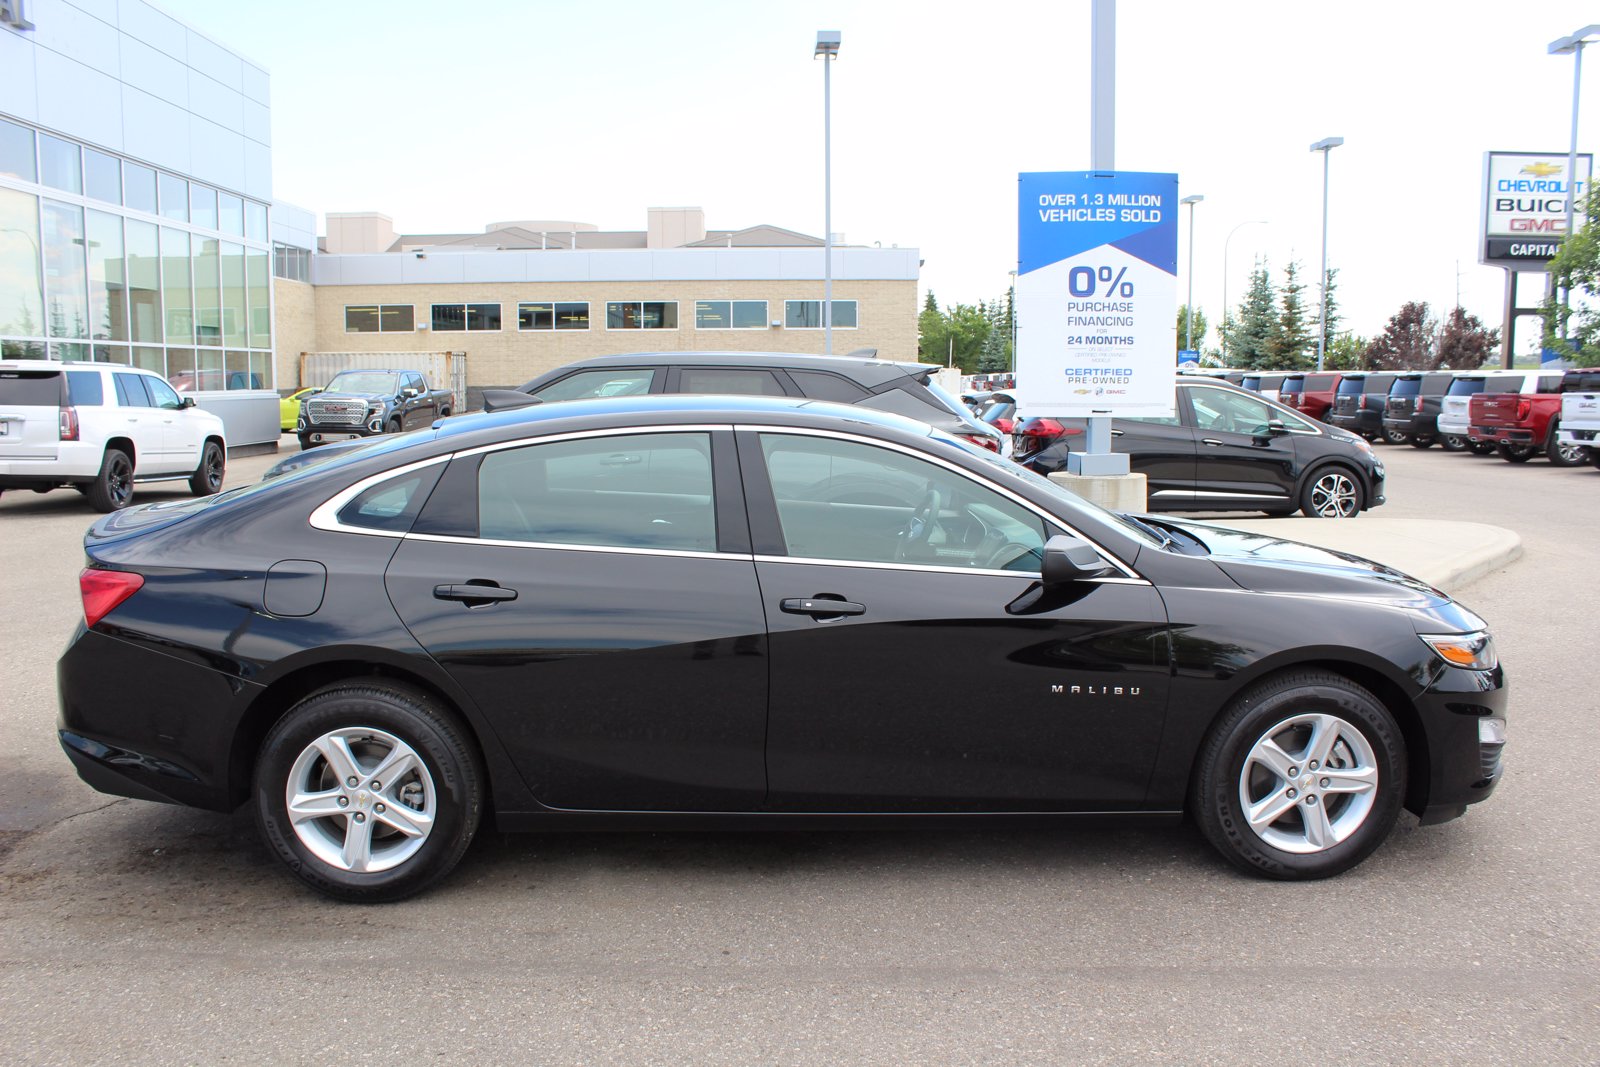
column 1505, row 435
column 1362, row 422
column 1416, row 425
column 74, row 461
column 1578, row 435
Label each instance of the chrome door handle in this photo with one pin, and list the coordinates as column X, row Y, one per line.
column 1211, row 441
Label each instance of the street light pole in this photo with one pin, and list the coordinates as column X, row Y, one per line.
column 1573, row 44
column 1188, row 313
column 1229, row 240
column 828, row 49
column 1326, row 147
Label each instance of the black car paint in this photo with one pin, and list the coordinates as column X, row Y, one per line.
column 1414, row 402
column 1358, row 405
column 668, row 699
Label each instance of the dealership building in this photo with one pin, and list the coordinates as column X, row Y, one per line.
column 138, row 226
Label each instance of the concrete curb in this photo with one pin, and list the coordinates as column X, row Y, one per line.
column 1446, row 555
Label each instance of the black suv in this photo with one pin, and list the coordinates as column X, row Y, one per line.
column 1358, row 405
column 1411, row 413
column 1226, row 449
column 902, row 388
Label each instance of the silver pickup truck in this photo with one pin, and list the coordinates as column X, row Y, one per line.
column 1580, row 411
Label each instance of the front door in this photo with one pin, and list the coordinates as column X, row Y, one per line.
column 615, row 644
column 946, row 679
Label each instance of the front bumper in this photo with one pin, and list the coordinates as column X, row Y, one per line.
column 1463, row 753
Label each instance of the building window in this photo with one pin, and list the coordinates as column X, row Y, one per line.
column 641, row 314
column 807, row 314
column 558, row 315
column 292, row 263
column 458, row 317
column 730, row 314
column 379, row 318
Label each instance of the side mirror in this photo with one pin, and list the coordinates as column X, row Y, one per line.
column 1273, row 428
column 1070, row 559
column 186, row 402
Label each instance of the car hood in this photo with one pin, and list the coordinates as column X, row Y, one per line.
column 342, row 395
column 1266, row 564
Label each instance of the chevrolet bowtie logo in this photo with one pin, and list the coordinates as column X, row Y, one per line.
column 1542, row 170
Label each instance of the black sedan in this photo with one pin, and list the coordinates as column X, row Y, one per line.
column 1225, row 449
column 749, row 612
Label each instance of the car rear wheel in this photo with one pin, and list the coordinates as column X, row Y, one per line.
column 1481, row 448
column 112, row 488
column 1452, row 443
column 1516, row 453
column 1395, row 437
column 1594, row 457
column 207, row 478
column 1422, row 442
column 1332, row 493
column 1302, row 777
column 1563, row 455
column 368, row 792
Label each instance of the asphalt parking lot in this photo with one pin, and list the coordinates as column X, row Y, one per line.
column 139, row 933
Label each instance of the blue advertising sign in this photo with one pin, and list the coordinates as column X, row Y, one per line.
column 1188, row 355
column 1096, row 294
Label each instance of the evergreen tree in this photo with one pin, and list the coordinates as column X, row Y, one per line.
column 1294, row 338
column 1254, row 339
column 995, row 354
column 1333, row 309
column 933, row 331
column 1199, row 336
column 1346, row 352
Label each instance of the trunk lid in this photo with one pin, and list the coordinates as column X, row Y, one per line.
column 1494, row 409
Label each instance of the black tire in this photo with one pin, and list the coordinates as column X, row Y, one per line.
column 1515, row 453
column 112, row 488
column 1333, row 492
column 1394, row 437
column 1481, row 448
column 306, row 443
column 378, row 718
column 1366, row 746
column 392, row 426
column 1594, row 457
column 1421, row 442
column 1452, row 443
column 207, row 477
column 444, row 413
column 1562, row 455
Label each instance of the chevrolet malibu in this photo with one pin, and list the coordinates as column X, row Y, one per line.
column 750, row 612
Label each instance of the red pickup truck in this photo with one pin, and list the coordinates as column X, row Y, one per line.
column 1522, row 424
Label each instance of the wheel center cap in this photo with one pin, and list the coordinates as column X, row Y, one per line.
column 362, row 797
column 1305, row 782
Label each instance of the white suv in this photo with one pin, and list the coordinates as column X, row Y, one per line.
column 101, row 427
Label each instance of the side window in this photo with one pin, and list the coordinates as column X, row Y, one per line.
column 590, row 383
column 85, row 388
column 1154, row 420
column 819, row 385
column 1217, row 409
column 619, row 491
column 392, row 505
column 130, row 391
column 846, row 500
column 161, row 394
column 736, row 381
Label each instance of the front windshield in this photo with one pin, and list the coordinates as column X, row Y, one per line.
column 365, row 381
column 1007, row 471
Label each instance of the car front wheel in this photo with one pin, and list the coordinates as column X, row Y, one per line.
column 1332, row 493
column 1302, row 777
column 207, row 478
column 368, row 792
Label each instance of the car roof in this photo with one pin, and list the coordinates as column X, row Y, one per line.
column 686, row 406
column 59, row 365
column 869, row 371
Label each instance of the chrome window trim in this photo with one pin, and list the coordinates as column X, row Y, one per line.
column 1028, row 576
column 1052, row 520
column 326, row 515
column 574, row 434
column 566, row 546
column 1307, row 429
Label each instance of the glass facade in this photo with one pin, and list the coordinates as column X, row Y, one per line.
column 99, row 260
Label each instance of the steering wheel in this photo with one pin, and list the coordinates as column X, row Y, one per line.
column 919, row 527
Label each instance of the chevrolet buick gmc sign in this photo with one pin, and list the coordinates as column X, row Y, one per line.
column 1097, row 287
column 1525, row 206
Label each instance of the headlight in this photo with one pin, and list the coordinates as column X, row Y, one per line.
column 1473, row 652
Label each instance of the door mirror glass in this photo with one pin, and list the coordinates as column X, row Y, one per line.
column 1274, row 428
column 186, row 402
column 1070, row 559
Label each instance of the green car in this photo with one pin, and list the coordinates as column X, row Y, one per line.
column 289, row 407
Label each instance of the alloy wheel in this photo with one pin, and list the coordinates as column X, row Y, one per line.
column 1333, row 495
column 361, row 800
column 1308, row 783
column 119, row 480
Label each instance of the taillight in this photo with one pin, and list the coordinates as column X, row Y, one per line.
column 1048, row 428
column 982, row 439
column 1417, row 407
column 1362, row 405
column 69, row 424
column 1524, row 407
column 103, row 590
column 1005, row 425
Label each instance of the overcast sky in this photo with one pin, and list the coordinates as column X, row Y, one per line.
column 446, row 116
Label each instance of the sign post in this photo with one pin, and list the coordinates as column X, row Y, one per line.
column 1097, row 293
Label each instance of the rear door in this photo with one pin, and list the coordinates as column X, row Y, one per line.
column 30, row 413
column 1239, row 461
column 1161, row 449
column 141, row 422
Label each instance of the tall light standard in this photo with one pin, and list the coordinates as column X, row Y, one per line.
column 1011, row 313
column 1225, row 311
column 1326, row 147
column 1188, row 314
column 828, row 49
column 1573, row 44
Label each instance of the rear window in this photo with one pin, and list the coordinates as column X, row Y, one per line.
column 30, row 389
column 1406, row 387
column 822, row 386
column 1352, row 386
column 1292, row 385
column 1581, row 382
column 1549, row 383
column 1465, row 387
column 85, row 388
